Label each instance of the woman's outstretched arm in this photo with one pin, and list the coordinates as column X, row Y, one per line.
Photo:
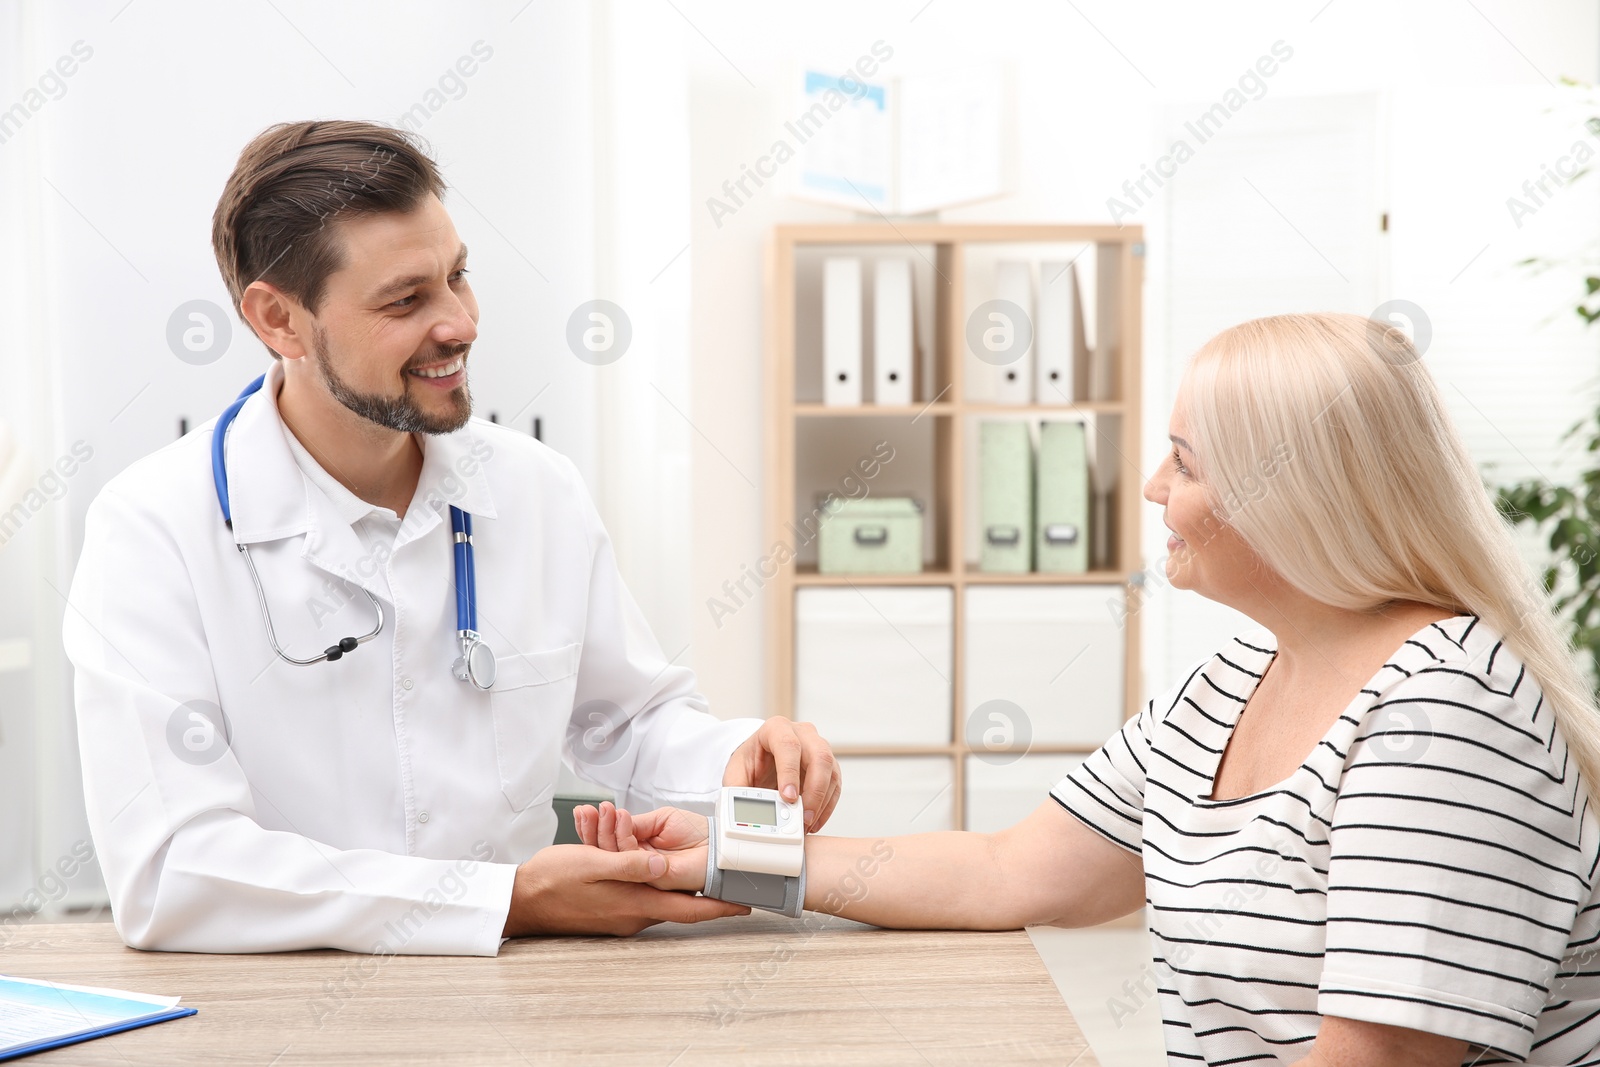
column 1049, row 868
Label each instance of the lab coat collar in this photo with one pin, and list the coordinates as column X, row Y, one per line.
column 272, row 498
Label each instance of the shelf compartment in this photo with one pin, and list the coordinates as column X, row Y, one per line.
column 930, row 369
column 873, row 665
column 1112, row 438
column 871, row 458
column 1099, row 268
column 1041, row 667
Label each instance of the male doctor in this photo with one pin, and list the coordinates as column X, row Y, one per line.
column 370, row 798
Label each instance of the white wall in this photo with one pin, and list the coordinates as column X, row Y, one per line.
column 1094, row 83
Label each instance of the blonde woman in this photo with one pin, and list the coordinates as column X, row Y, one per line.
column 1363, row 831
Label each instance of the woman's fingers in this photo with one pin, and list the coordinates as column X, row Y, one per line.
column 585, row 820
column 626, row 841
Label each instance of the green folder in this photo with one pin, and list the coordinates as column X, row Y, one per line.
column 1005, row 497
column 1061, row 525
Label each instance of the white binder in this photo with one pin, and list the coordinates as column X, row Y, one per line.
column 1058, row 332
column 841, row 331
column 892, row 349
column 1013, row 282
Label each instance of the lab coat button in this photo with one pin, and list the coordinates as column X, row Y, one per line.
column 405, row 683
column 422, row 816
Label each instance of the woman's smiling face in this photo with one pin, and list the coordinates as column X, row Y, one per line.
column 1204, row 553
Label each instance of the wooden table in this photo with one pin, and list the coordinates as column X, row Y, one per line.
column 758, row 989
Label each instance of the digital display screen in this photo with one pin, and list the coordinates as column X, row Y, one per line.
column 759, row 812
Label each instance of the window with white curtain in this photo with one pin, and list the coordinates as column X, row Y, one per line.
column 1341, row 203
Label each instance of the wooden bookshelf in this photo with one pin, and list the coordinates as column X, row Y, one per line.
column 942, row 402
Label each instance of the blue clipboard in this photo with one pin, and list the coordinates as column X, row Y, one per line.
column 54, row 1014
column 90, row 1035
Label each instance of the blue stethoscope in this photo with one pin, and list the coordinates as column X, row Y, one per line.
column 476, row 662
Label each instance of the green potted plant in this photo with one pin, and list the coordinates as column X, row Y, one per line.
column 1569, row 516
column 1570, row 512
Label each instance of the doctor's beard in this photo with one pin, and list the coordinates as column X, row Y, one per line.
column 400, row 413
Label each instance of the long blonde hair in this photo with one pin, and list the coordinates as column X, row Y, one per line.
column 1327, row 449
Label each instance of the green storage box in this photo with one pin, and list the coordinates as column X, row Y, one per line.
column 872, row 535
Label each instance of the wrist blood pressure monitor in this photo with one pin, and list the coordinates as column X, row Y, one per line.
column 757, row 850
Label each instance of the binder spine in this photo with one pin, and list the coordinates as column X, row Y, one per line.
column 892, row 349
column 841, row 331
column 1014, row 379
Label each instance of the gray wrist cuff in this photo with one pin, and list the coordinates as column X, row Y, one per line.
column 769, row 892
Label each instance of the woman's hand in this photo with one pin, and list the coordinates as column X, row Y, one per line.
column 680, row 837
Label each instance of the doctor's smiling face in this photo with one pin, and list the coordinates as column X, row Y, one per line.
column 397, row 320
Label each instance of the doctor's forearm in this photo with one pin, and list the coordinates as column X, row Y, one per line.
column 946, row 880
column 225, row 884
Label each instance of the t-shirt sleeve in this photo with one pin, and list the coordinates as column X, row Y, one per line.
column 1455, row 869
column 1106, row 791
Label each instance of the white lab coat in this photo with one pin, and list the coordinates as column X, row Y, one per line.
column 376, row 803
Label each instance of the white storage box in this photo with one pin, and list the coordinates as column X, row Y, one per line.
column 1053, row 653
column 1002, row 795
column 885, row 796
column 873, row 664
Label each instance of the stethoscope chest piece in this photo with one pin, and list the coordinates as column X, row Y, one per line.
column 476, row 662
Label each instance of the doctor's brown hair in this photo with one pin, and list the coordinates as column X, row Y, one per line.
column 272, row 222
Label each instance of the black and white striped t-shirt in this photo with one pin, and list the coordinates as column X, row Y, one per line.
column 1431, row 865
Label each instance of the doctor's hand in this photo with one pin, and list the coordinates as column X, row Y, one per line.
column 577, row 889
column 777, row 755
column 678, row 836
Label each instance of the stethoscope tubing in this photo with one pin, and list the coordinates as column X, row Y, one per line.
column 467, row 667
